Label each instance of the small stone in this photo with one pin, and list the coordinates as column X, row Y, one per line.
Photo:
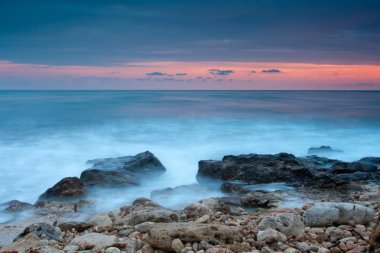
column 303, row 246
column 186, row 249
column 177, row 245
column 270, row 235
column 291, row 250
column 203, row 219
column 323, row 250
column 112, row 250
column 125, row 232
column 147, row 248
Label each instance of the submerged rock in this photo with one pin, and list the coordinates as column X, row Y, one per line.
column 329, row 214
column 161, row 235
column 323, row 150
column 69, row 187
column 17, row 206
column 122, row 171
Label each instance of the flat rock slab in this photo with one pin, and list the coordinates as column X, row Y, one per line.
column 161, row 235
column 332, row 214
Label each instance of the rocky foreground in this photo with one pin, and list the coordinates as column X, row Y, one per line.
column 341, row 216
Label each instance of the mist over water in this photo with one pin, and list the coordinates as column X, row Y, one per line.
column 48, row 135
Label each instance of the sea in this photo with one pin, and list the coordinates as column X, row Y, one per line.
column 48, row 135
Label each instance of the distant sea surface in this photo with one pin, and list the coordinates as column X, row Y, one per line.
column 48, row 135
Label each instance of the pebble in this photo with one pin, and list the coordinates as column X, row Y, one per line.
column 112, row 250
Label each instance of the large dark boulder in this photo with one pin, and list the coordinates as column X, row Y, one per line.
column 122, row 171
column 69, row 187
column 371, row 160
column 344, row 167
column 254, row 168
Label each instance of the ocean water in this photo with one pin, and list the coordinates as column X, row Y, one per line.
column 48, row 135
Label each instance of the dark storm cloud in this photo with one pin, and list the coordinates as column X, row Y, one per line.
column 180, row 74
column 271, row 71
column 220, row 72
column 156, row 74
column 99, row 32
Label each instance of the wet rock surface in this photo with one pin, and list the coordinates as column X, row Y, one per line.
column 246, row 219
column 122, row 171
column 69, row 187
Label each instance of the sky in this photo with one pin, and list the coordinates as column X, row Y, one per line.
column 190, row 44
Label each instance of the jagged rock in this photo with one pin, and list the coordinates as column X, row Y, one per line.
column 206, row 207
column 17, row 206
column 161, row 235
column 260, row 198
column 69, row 187
column 42, row 230
column 327, row 214
column 137, row 214
column 323, row 150
column 100, row 241
column 375, row 237
column 287, row 223
column 122, row 171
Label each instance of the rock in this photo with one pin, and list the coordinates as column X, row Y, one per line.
column 375, row 237
column 233, row 188
column 323, row 151
column 17, row 206
column 196, row 210
column 343, row 167
column 323, row 250
column 42, row 230
column 260, row 198
column 177, row 245
column 303, row 246
column 101, row 220
column 203, row 219
column 327, row 214
column 100, row 241
column 122, row 171
column 182, row 191
column 112, row 250
column 147, row 248
column 270, row 235
column 69, row 187
column 161, row 235
column 216, row 205
column 218, row 250
column 76, row 225
column 291, row 250
column 203, row 245
column 254, row 168
column 371, row 160
column 23, row 244
column 287, row 223
column 49, row 249
column 137, row 214
column 59, row 207
column 144, row 202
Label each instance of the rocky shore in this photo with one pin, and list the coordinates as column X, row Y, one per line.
column 339, row 214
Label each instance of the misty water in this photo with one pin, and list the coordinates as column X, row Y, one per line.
column 48, row 135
